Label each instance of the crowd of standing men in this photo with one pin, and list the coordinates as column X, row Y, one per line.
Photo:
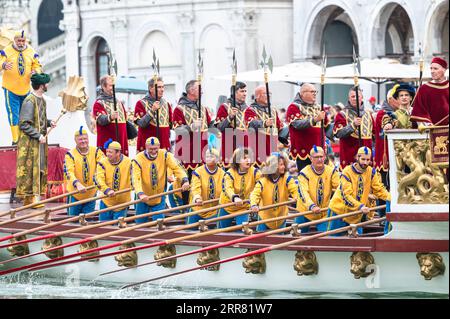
column 236, row 156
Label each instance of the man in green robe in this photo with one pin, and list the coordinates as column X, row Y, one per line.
column 32, row 147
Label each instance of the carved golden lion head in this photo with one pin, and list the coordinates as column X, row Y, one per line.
column 18, row 250
column 359, row 262
column 306, row 263
column 128, row 259
column 164, row 252
column 431, row 265
column 51, row 243
column 255, row 264
column 207, row 257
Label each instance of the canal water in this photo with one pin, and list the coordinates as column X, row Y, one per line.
column 39, row 286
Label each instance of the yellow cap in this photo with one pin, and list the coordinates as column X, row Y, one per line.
column 80, row 131
column 364, row 151
column 20, row 34
column 316, row 150
column 109, row 144
column 152, row 141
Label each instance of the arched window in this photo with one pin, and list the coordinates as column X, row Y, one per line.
column 399, row 38
column 49, row 15
column 101, row 59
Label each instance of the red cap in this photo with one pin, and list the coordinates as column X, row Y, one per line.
column 440, row 61
column 372, row 99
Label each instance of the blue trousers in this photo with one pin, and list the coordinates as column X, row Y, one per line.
column 195, row 218
column 85, row 208
column 143, row 208
column 13, row 104
column 111, row 215
column 227, row 222
column 263, row 227
column 302, row 219
column 175, row 201
column 338, row 223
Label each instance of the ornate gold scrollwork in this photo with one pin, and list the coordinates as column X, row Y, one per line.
column 18, row 250
column 206, row 257
column 359, row 262
column 306, row 263
column 50, row 243
column 128, row 259
column 89, row 245
column 419, row 182
column 255, row 264
column 166, row 251
column 431, row 265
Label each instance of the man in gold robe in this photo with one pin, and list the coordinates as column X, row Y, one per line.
column 32, row 145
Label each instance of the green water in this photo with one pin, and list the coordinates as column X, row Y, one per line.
column 37, row 286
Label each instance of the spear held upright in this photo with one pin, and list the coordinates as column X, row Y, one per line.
column 112, row 70
column 156, row 73
column 199, row 80
column 356, row 80
column 267, row 64
column 233, row 97
column 322, row 97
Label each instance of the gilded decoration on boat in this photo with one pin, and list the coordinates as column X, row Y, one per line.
column 89, row 245
column 359, row 262
column 165, row 251
column 431, row 265
column 206, row 257
column 127, row 259
column 51, row 243
column 18, row 250
column 255, row 264
column 306, row 263
column 419, row 182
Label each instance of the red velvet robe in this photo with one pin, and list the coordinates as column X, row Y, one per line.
column 432, row 104
column 228, row 145
column 348, row 147
column 104, row 133
column 165, row 120
column 381, row 148
column 302, row 141
column 183, row 115
column 270, row 135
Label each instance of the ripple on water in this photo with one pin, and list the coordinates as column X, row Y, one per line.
column 38, row 286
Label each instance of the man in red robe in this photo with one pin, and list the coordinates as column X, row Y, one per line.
column 188, row 126
column 106, row 117
column 227, row 116
column 431, row 106
column 304, row 117
column 146, row 112
column 262, row 127
column 346, row 127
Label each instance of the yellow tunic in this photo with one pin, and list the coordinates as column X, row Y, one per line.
column 206, row 185
column 354, row 190
column 316, row 190
column 241, row 185
column 150, row 175
column 116, row 177
column 268, row 192
column 81, row 168
column 18, row 79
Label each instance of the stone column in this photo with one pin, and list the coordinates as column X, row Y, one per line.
column 120, row 44
column 189, row 57
column 71, row 25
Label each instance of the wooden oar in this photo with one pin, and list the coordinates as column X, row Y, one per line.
column 247, row 238
column 18, row 209
column 231, row 242
column 76, row 218
column 260, row 251
column 88, row 227
column 54, row 209
column 97, row 237
column 159, row 243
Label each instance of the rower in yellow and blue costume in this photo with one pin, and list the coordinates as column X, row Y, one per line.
column 79, row 170
column 112, row 175
column 207, row 182
column 275, row 186
column 357, row 182
column 150, row 177
column 238, row 182
column 316, row 184
column 18, row 61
